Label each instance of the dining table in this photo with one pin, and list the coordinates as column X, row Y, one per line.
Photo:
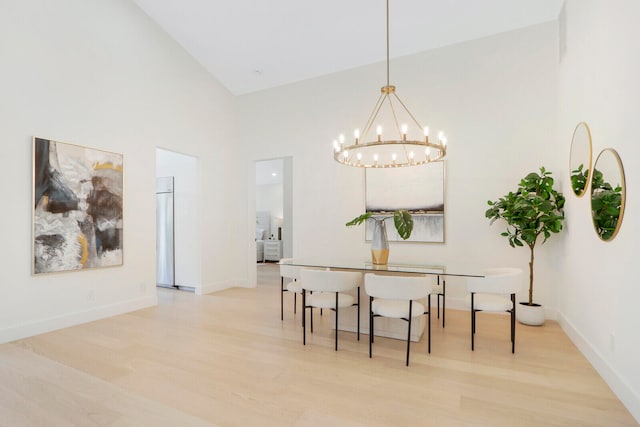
column 392, row 328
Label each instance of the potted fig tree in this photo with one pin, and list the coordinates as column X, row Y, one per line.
column 533, row 211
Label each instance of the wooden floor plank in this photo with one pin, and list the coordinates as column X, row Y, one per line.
column 227, row 359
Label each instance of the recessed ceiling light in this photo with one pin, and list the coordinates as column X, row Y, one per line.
column 274, row 174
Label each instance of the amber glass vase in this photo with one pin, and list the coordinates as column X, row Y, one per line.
column 379, row 243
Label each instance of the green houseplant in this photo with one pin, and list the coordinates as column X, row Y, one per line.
column 535, row 209
column 403, row 222
column 606, row 200
column 579, row 179
column 606, row 205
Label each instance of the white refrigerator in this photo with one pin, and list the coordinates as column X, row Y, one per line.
column 165, row 236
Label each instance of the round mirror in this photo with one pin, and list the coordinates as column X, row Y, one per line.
column 607, row 194
column 580, row 159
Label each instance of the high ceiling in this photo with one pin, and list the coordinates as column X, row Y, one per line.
column 250, row 45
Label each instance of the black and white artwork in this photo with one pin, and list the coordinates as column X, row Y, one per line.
column 77, row 219
column 419, row 189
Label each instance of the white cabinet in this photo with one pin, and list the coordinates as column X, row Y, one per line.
column 272, row 250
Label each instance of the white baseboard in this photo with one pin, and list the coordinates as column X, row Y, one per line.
column 620, row 387
column 42, row 326
column 219, row 286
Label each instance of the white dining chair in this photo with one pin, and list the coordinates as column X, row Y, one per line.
column 290, row 273
column 495, row 292
column 327, row 289
column 395, row 297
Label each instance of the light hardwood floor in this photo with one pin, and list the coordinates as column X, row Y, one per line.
column 226, row 359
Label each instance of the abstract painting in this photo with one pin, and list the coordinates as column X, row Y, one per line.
column 419, row 189
column 77, row 217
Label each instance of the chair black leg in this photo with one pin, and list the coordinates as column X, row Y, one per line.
column 281, row 298
column 513, row 323
column 304, row 316
column 438, row 298
column 444, row 300
column 429, row 323
column 336, row 321
column 409, row 330
column 295, row 297
column 358, row 313
column 370, row 325
column 473, row 322
column 311, row 316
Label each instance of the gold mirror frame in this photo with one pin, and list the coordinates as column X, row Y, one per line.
column 606, row 193
column 579, row 173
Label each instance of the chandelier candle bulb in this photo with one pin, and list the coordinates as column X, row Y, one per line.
column 404, row 132
column 341, row 138
column 356, row 135
column 379, row 132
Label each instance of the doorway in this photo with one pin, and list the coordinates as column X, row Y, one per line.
column 274, row 209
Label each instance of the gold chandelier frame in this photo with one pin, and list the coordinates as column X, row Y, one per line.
column 389, row 153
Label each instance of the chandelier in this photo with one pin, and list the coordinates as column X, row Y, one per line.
column 405, row 143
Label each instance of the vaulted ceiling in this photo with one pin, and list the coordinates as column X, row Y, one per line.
column 251, row 45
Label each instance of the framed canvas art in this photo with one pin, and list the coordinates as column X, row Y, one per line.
column 77, row 207
column 419, row 189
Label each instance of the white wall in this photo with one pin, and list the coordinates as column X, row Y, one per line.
column 187, row 244
column 599, row 293
column 101, row 74
column 496, row 99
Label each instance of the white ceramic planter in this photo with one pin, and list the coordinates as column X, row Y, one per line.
column 532, row 315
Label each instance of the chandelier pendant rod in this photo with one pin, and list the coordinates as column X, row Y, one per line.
column 388, row 43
